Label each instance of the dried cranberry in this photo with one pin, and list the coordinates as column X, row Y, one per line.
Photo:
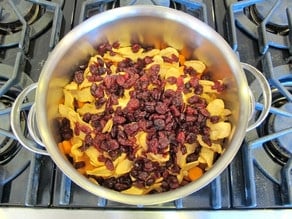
column 198, row 89
column 123, row 182
column 171, row 80
column 148, row 60
column 174, row 111
column 156, row 94
column 214, row 119
column 96, row 91
column 79, row 164
column 65, row 131
column 191, row 111
column 175, row 168
column 190, row 118
column 99, row 102
column 66, row 134
column 163, row 141
column 194, row 81
column 136, row 47
column 131, row 129
column 193, row 99
column 174, row 58
column 119, row 119
column 133, row 104
column 207, row 139
column 149, row 165
column 120, row 186
column 154, row 69
column 189, row 70
column 121, row 80
column 109, row 81
column 109, row 165
column 192, row 157
column 79, row 77
column 167, row 59
column 149, row 107
column 183, row 149
column 86, row 117
column 94, row 78
column 103, row 48
column 161, row 108
column 159, row 124
column 204, row 112
column 143, row 175
column 112, row 144
column 181, row 137
column 116, row 45
column 114, row 154
column 150, row 181
column 109, row 183
column 191, row 138
column 218, row 86
column 153, row 145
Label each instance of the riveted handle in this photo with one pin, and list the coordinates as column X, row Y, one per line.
column 267, row 95
column 35, row 146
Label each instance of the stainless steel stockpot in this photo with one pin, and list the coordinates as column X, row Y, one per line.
column 149, row 25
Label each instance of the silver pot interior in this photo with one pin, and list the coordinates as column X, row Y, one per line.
column 148, row 25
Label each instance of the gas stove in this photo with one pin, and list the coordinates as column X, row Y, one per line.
column 259, row 177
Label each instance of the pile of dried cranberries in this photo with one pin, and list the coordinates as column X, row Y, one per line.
column 142, row 120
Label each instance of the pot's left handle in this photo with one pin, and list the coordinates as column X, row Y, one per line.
column 36, row 144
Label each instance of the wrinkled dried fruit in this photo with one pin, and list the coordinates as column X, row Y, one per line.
column 143, row 119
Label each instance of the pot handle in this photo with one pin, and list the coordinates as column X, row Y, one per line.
column 267, row 95
column 36, row 144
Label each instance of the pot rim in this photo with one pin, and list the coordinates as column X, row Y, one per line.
column 107, row 17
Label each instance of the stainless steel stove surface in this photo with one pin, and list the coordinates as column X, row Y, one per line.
column 257, row 182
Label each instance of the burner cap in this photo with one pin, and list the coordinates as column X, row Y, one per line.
column 278, row 21
column 282, row 122
column 9, row 22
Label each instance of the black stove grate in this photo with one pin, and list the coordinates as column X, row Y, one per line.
column 239, row 15
column 255, row 149
column 34, row 181
column 26, row 179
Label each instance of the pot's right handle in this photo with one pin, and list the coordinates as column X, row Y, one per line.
column 267, row 95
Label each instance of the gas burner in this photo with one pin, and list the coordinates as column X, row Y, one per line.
column 37, row 15
column 279, row 149
column 165, row 3
column 14, row 159
column 278, row 21
column 271, row 151
column 8, row 146
column 9, row 22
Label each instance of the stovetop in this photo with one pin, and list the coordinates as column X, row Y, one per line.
column 259, row 177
